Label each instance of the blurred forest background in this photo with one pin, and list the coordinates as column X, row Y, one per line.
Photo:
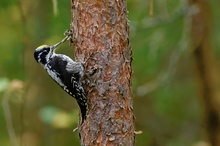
column 167, row 104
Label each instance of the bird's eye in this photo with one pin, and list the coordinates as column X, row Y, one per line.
column 47, row 50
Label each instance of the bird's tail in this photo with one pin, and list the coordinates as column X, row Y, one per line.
column 83, row 109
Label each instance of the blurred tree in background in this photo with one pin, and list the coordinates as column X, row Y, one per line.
column 206, row 68
column 36, row 112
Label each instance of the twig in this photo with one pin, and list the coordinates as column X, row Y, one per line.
column 7, row 114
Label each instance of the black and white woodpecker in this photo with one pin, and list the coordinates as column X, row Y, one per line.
column 64, row 71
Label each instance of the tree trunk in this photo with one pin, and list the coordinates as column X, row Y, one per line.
column 101, row 39
column 205, row 67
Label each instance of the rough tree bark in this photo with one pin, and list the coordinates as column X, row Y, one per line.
column 205, row 67
column 101, row 40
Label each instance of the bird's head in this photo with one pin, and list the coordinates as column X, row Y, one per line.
column 43, row 53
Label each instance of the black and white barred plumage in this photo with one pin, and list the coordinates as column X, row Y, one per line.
column 65, row 72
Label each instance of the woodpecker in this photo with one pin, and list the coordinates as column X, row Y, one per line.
column 64, row 71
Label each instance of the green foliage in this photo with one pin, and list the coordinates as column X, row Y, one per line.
column 57, row 118
column 3, row 84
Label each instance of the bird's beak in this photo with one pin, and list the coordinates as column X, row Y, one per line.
column 55, row 46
